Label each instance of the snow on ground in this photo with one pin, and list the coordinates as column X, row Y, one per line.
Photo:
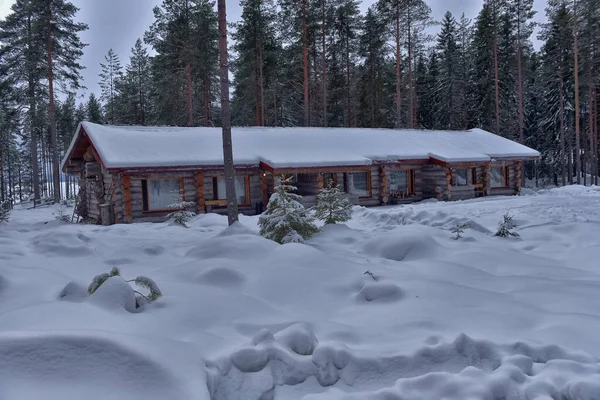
column 245, row 318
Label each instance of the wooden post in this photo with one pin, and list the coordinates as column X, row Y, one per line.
column 519, row 176
column 200, row 192
column 383, row 184
column 127, row 218
column 265, row 189
column 320, row 183
column 486, row 180
column 449, row 182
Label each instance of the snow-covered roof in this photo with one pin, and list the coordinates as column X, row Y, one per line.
column 142, row 146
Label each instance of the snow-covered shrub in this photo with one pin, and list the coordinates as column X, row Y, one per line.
column 458, row 229
column 331, row 207
column 506, row 227
column 141, row 281
column 181, row 216
column 286, row 220
column 4, row 210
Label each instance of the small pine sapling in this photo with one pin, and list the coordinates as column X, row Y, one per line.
column 285, row 219
column 458, row 229
column 62, row 215
column 141, row 281
column 181, row 216
column 506, row 227
column 331, row 207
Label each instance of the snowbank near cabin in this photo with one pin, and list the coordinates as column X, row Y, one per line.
column 242, row 317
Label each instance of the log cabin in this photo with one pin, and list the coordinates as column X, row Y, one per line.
column 134, row 174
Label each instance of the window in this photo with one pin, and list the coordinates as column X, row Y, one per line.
column 499, row 177
column 463, row 177
column 359, row 183
column 159, row 194
column 402, row 182
column 329, row 177
column 242, row 189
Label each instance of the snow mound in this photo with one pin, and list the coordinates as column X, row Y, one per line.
column 74, row 291
column 57, row 243
column 70, row 367
column 332, row 234
column 244, row 247
column 222, row 277
column 463, row 369
column 153, row 249
column 379, row 291
column 237, row 228
column 405, row 244
column 115, row 294
column 298, row 338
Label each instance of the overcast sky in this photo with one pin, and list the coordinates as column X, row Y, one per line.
column 117, row 24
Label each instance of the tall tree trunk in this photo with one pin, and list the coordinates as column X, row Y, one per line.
column 561, row 117
column 305, row 63
column 207, row 121
column 256, row 89
column 189, row 95
column 520, row 74
column 51, row 110
column 496, row 85
column 35, row 172
column 576, row 71
column 411, row 104
column 348, row 92
column 324, row 61
column 232, row 205
column 262, row 85
column 595, row 135
column 398, row 72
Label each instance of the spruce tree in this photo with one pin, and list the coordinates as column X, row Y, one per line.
column 255, row 67
column 109, row 77
column 375, row 106
column 286, row 220
column 331, row 207
column 134, row 88
column 449, row 82
column 94, row 110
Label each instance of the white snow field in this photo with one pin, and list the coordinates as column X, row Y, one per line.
column 243, row 318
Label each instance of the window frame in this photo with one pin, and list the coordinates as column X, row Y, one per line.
column 146, row 207
column 368, row 181
column 470, row 172
column 410, row 178
column 223, row 202
column 505, row 177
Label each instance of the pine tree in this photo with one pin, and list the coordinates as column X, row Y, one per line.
column 375, row 76
column 109, row 77
column 286, row 220
column 134, row 88
column 22, row 53
column 94, row 110
column 185, row 38
column 448, row 113
column 255, row 68
column 63, row 49
column 331, row 207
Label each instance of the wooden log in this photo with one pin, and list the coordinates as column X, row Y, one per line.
column 384, row 190
column 200, row 192
column 519, row 175
column 320, row 182
column 264, row 184
column 127, row 208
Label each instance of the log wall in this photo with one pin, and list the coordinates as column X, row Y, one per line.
column 435, row 182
